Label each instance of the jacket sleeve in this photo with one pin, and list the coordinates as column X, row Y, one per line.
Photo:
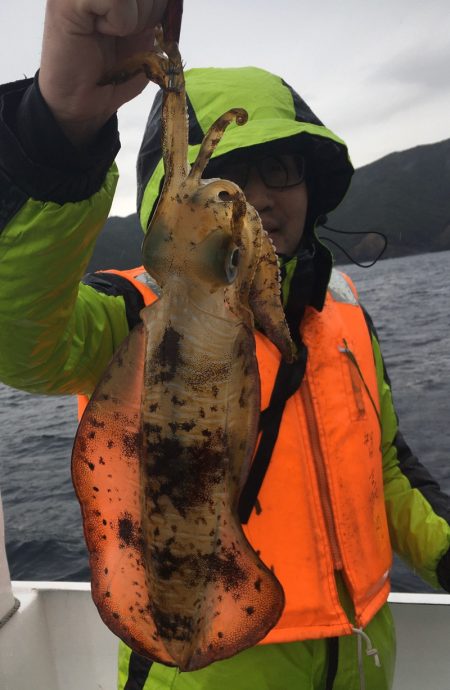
column 56, row 334
column 418, row 512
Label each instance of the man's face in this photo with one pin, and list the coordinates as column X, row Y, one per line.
column 274, row 185
column 282, row 210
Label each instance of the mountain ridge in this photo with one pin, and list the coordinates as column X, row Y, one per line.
column 405, row 195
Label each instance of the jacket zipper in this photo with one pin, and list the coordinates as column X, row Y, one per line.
column 319, row 463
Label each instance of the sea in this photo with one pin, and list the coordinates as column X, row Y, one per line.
column 408, row 299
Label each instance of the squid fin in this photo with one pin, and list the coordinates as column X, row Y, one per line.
column 105, row 473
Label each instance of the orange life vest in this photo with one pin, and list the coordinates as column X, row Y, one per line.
column 321, row 505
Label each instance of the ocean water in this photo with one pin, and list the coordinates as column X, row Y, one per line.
column 408, row 299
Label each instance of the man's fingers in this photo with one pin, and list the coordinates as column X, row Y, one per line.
column 123, row 17
column 120, row 19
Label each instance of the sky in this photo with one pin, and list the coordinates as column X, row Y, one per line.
column 375, row 72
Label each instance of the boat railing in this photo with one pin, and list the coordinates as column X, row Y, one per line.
column 8, row 603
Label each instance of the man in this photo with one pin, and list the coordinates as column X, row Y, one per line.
column 341, row 485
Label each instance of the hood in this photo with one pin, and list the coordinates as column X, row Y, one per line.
column 278, row 118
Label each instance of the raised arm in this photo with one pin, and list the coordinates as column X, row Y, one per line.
column 58, row 141
column 83, row 39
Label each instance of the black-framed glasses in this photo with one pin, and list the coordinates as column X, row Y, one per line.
column 276, row 171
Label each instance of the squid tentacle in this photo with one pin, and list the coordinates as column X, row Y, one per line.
column 212, row 138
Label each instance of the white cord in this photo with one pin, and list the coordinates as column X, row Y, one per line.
column 370, row 651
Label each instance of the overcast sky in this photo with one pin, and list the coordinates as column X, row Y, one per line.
column 376, row 72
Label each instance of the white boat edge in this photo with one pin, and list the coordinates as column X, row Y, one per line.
column 52, row 638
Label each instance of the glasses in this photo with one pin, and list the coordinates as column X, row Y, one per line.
column 277, row 172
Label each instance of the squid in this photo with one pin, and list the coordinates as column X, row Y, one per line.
column 166, row 442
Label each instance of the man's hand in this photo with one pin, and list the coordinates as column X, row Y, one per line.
column 84, row 39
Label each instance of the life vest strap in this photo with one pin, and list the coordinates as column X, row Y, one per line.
column 333, row 659
column 287, row 382
column 116, row 285
column 138, row 672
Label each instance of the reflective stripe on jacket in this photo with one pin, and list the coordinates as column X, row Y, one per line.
column 321, row 505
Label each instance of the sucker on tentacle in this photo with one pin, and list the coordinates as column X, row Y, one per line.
column 166, row 442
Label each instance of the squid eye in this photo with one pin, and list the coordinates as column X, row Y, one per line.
column 231, row 264
column 225, row 196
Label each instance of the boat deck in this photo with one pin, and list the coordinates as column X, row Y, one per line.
column 57, row 641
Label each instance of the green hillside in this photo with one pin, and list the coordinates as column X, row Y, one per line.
column 119, row 244
column 404, row 195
